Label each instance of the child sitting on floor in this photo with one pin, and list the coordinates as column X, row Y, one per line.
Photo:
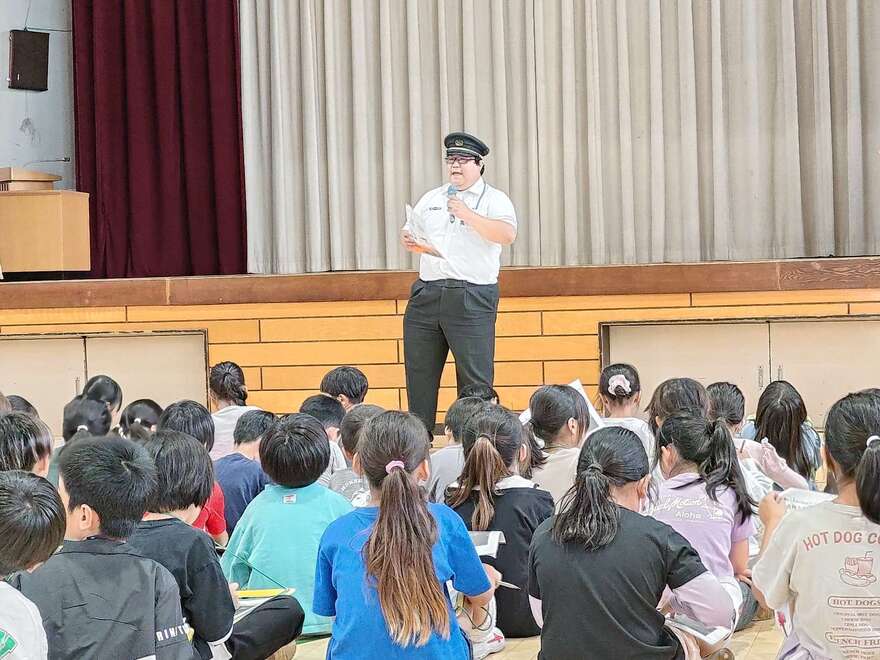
column 25, row 444
column 229, row 402
column 32, row 524
column 348, row 385
column 621, row 393
column 98, row 597
column 446, row 463
column 276, row 541
column 194, row 419
column 704, row 498
column 348, row 483
column 819, row 564
column 239, row 474
column 382, row 570
column 329, row 412
column 560, row 419
column 490, row 495
column 185, row 479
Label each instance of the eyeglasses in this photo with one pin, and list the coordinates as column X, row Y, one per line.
column 454, row 160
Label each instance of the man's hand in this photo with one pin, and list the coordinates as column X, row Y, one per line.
column 461, row 210
column 406, row 240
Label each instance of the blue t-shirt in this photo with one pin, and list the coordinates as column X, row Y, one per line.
column 241, row 480
column 276, row 543
column 342, row 589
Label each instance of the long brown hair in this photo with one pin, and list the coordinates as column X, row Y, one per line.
column 491, row 445
column 398, row 554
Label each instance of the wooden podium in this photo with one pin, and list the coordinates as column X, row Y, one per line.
column 41, row 229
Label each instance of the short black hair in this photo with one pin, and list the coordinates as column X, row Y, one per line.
column 325, row 409
column 189, row 417
column 296, row 451
column 252, row 426
column 24, row 440
column 353, row 423
column 480, row 390
column 32, row 521
column 142, row 412
column 104, row 389
column 114, row 476
column 20, row 404
column 461, row 412
column 184, row 472
column 85, row 417
column 349, row 381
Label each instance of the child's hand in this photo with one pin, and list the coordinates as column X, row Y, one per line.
column 233, row 591
column 771, row 509
column 493, row 575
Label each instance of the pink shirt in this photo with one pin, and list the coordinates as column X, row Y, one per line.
column 712, row 528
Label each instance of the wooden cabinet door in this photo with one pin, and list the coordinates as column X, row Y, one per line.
column 162, row 367
column 47, row 371
column 825, row 360
column 707, row 352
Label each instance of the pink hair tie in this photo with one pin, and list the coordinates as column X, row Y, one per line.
column 394, row 464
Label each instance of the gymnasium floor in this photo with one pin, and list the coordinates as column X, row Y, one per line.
column 759, row 642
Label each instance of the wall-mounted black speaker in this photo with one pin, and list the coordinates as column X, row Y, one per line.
column 29, row 60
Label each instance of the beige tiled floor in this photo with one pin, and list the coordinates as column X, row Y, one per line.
column 759, row 642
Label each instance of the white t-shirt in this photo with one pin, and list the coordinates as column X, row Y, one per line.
column 558, row 474
column 468, row 256
column 822, row 566
column 224, row 426
column 22, row 636
column 641, row 428
column 337, row 463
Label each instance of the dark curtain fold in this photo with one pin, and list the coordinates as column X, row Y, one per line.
column 158, row 136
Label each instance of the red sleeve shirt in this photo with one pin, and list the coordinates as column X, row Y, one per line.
column 212, row 519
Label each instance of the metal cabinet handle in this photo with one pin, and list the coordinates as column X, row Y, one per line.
column 76, row 386
column 779, row 373
column 761, row 377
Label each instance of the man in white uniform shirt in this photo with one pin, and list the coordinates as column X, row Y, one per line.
column 454, row 302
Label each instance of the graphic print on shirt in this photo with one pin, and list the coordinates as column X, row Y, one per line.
column 7, row 644
column 853, row 624
column 858, row 571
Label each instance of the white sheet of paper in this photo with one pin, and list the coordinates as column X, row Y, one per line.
column 417, row 228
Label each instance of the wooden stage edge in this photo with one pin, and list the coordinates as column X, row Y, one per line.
column 707, row 277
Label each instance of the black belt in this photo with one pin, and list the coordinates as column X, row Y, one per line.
column 452, row 284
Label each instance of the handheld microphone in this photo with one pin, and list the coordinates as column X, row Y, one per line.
column 451, row 192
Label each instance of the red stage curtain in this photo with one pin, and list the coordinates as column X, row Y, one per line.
column 158, row 135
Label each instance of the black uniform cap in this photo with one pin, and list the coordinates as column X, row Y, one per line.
column 465, row 144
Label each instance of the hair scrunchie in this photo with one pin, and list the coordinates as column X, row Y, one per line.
column 394, row 464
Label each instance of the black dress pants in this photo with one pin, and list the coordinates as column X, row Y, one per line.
column 271, row 626
column 446, row 315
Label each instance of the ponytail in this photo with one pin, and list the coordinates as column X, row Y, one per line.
column 867, row 478
column 483, row 468
column 226, row 381
column 721, row 468
column 710, row 447
column 537, row 458
column 491, row 442
column 399, row 552
column 588, row 515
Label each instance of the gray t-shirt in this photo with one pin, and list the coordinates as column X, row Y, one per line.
column 446, row 466
column 822, row 568
column 351, row 486
column 22, row 636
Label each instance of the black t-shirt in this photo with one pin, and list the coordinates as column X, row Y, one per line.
column 518, row 512
column 189, row 556
column 603, row 603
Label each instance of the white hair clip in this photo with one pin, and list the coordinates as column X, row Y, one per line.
column 137, row 420
column 619, row 380
column 871, row 439
column 82, row 427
